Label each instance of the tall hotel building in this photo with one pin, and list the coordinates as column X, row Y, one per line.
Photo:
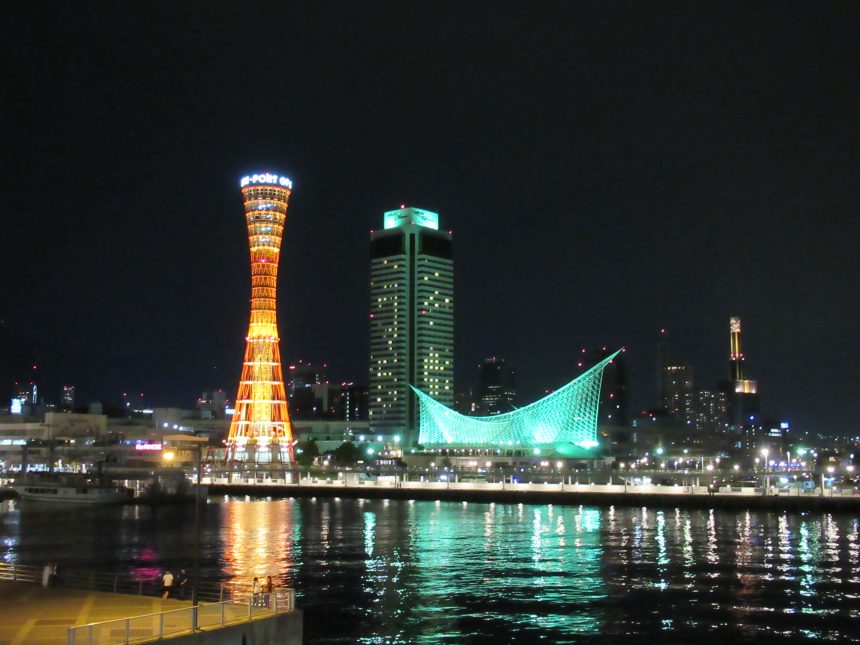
column 411, row 320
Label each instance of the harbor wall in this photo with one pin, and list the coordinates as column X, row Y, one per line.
column 278, row 629
column 558, row 494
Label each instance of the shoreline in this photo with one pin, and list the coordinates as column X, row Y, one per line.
column 564, row 497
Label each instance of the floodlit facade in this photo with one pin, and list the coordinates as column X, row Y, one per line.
column 564, row 421
column 411, row 319
column 260, row 430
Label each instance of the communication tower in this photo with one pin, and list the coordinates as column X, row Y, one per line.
column 260, row 430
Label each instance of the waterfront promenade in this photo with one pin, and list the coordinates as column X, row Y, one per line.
column 33, row 615
column 549, row 493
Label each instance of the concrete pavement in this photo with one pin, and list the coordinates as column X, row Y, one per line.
column 32, row 615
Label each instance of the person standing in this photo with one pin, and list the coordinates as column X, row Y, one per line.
column 255, row 591
column 268, row 589
column 167, row 584
column 47, row 574
column 182, row 582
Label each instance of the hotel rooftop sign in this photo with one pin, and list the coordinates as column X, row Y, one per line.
column 417, row 216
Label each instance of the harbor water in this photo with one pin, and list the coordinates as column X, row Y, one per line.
column 383, row 571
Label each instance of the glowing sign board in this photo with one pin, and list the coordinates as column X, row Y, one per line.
column 16, row 406
column 393, row 219
column 265, row 178
column 148, row 446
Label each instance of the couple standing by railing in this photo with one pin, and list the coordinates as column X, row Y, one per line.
column 261, row 594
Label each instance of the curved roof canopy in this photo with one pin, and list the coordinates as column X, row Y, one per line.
column 568, row 416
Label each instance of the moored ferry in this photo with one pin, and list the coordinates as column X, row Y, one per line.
column 70, row 490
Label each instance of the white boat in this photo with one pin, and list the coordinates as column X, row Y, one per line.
column 67, row 491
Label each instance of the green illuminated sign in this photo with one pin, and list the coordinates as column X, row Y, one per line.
column 393, row 219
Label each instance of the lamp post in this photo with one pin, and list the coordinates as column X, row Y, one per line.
column 169, row 456
column 195, row 572
column 764, row 452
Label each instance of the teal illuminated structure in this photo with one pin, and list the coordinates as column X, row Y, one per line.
column 564, row 422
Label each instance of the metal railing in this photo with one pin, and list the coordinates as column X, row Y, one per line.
column 20, row 572
column 119, row 583
column 208, row 591
column 165, row 624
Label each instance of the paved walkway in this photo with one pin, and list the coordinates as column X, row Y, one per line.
column 32, row 615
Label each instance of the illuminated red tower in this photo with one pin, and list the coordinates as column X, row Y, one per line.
column 260, row 430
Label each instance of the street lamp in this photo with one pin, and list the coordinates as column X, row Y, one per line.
column 169, row 456
column 764, row 452
column 830, row 470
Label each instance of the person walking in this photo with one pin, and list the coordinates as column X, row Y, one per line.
column 167, row 584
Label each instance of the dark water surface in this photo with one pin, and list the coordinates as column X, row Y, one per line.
column 423, row 572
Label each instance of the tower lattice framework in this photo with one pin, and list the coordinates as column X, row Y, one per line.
column 260, row 430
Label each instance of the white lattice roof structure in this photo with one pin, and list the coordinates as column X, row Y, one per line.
column 567, row 416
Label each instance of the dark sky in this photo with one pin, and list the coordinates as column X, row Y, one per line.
column 607, row 169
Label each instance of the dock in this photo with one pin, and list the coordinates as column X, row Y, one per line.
column 554, row 493
column 33, row 614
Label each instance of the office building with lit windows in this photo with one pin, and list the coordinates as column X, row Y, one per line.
column 496, row 386
column 677, row 389
column 411, row 319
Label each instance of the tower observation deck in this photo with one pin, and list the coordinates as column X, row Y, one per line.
column 260, row 430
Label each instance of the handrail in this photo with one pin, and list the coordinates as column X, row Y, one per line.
column 173, row 622
column 118, row 583
column 209, row 591
column 20, row 572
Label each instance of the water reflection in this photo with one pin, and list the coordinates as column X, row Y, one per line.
column 261, row 539
column 426, row 572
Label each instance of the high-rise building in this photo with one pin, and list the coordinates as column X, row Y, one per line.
column 260, row 429
column 67, row 397
column 28, row 393
column 354, row 400
column 306, row 391
column 25, row 398
column 662, row 361
column 212, row 405
column 464, row 401
column 411, row 319
column 742, row 393
column 496, row 386
column 736, row 356
column 706, row 410
column 677, row 385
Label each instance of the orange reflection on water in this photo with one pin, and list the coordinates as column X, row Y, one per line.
column 259, row 541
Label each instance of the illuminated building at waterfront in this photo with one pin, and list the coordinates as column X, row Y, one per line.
column 260, row 430
column 411, row 319
column 564, row 422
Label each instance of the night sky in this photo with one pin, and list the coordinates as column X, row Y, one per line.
column 607, row 170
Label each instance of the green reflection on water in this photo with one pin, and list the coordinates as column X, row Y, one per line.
column 540, row 566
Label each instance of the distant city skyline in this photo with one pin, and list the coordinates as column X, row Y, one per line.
column 607, row 171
